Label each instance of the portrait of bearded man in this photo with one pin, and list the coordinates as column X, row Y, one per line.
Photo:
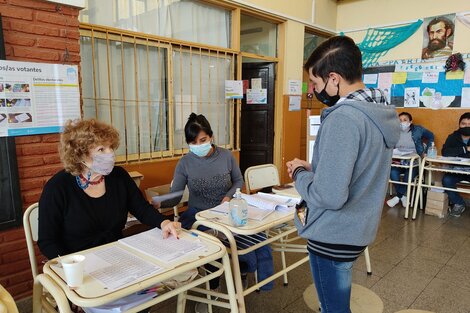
column 438, row 35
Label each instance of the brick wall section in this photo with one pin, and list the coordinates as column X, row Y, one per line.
column 35, row 31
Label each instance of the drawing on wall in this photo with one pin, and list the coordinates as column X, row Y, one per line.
column 411, row 97
column 438, row 36
column 434, row 99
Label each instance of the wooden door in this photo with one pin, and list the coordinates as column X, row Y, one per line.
column 257, row 120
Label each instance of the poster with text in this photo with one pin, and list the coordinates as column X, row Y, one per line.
column 37, row 98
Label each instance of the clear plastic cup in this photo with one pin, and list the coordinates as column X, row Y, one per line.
column 73, row 266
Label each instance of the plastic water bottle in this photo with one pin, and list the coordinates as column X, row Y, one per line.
column 432, row 151
column 238, row 210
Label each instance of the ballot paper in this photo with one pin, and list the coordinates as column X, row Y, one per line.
column 116, row 268
column 166, row 250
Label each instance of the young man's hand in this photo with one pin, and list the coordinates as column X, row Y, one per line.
column 295, row 163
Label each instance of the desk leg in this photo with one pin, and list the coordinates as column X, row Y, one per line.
column 237, row 277
column 230, row 286
column 181, row 302
column 408, row 188
column 418, row 191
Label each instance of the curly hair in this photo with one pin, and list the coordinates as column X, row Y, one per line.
column 79, row 137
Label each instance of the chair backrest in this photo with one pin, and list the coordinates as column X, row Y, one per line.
column 261, row 176
column 7, row 304
column 30, row 223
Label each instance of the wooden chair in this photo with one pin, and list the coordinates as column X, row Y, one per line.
column 54, row 297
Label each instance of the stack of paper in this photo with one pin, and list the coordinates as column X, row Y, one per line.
column 402, row 152
column 167, row 250
column 260, row 205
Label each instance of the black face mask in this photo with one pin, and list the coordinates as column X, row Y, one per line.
column 464, row 131
column 325, row 98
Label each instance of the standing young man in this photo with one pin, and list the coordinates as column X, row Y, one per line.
column 344, row 187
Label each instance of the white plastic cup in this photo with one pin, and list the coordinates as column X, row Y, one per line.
column 73, row 266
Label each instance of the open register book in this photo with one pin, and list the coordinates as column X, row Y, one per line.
column 261, row 205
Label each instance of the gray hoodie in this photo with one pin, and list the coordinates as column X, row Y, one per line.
column 346, row 188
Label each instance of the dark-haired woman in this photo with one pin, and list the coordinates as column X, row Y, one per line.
column 411, row 139
column 212, row 176
column 210, row 172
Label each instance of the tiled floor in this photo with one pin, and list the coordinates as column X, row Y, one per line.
column 422, row 264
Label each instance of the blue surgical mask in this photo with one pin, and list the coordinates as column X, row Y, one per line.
column 201, row 150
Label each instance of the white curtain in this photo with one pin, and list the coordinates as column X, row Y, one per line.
column 186, row 20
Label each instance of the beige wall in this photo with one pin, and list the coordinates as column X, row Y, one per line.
column 302, row 9
column 326, row 13
column 370, row 13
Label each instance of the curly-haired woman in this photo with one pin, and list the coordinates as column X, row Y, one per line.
column 86, row 204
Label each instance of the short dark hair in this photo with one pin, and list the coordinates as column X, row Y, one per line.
column 465, row 116
column 406, row 114
column 194, row 125
column 337, row 54
column 448, row 24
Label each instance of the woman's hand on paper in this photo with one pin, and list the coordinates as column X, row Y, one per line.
column 170, row 228
column 225, row 199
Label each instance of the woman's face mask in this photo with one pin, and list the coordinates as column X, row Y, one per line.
column 103, row 163
column 405, row 126
column 201, row 150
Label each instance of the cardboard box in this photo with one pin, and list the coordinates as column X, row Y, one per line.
column 436, row 207
column 437, row 196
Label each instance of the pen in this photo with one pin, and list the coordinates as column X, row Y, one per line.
column 194, row 234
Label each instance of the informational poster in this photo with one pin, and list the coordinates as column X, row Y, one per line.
column 294, row 103
column 233, row 89
column 257, row 96
column 37, row 98
column 256, row 83
column 295, row 87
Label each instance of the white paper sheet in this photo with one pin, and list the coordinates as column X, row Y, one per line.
column 254, row 213
column 166, row 250
column 117, row 268
column 370, row 78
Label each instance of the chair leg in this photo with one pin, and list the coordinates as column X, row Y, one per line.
column 367, row 258
column 181, row 302
column 283, row 260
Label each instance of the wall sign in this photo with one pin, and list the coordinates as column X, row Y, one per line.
column 37, row 98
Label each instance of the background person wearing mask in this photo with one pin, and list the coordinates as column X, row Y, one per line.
column 343, row 189
column 411, row 139
column 457, row 145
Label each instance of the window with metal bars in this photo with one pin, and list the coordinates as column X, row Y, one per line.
column 147, row 88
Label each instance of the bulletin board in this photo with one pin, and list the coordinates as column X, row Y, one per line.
column 417, row 84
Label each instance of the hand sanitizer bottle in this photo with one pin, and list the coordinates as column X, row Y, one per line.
column 238, row 210
column 432, row 151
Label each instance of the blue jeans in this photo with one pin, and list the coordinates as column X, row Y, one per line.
column 450, row 181
column 395, row 173
column 333, row 283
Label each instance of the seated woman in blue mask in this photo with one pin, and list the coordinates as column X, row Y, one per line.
column 212, row 176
